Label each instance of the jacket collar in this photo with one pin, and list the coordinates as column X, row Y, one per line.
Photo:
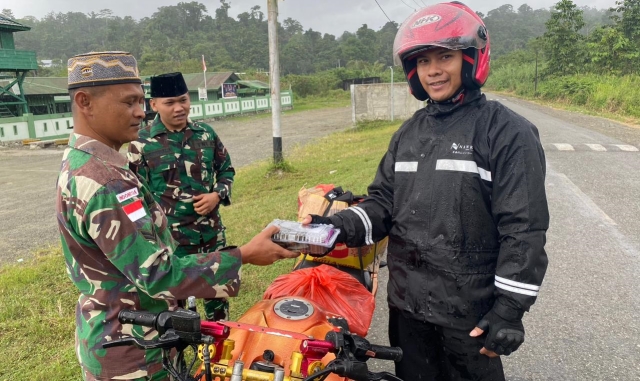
column 466, row 97
column 98, row 149
column 157, row 127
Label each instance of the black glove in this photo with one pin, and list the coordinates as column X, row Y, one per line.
column 336, row 221
column 504, row 329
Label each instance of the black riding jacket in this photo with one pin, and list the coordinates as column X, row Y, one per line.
column 460, row 193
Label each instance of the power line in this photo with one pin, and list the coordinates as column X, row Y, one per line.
column 410, row 7
column 417, row 3
column 385, row 13
column 423, row 3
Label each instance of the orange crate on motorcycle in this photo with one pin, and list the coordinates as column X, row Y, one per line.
column 313, row 201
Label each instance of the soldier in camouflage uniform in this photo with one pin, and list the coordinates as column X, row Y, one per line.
column 189, row 173
column 117, row 247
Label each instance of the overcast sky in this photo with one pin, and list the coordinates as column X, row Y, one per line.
column 326, row 16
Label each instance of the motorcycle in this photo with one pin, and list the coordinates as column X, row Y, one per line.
column 310, row 326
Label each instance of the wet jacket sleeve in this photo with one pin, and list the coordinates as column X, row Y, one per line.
column 370, row 221
column 519, row 208
column 224, row 172
column 135, row 239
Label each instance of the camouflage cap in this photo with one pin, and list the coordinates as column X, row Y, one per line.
column 102, row 68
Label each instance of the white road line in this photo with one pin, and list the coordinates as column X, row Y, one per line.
column 586, row 200
column 564, row 147
column 627, row 148
column 596, row 147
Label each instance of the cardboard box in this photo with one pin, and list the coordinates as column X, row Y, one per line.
column 312, row 201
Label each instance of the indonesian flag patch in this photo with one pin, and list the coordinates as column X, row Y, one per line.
column 135, row 210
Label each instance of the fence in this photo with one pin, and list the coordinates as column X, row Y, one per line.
column 55, row 126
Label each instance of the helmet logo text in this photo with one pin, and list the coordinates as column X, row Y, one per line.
column 428, row 19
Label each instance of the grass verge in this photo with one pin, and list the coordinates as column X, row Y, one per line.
column 610, row 96
column 333, row 99
column 38, row 300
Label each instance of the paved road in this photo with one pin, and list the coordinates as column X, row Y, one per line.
column 27, row 177
column 586, row 323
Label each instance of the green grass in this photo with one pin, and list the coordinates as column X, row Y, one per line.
column 614, row 97
column 333, row 99
column 38, row 300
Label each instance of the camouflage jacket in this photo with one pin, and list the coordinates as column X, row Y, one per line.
column 118, row 252
column 180, row 165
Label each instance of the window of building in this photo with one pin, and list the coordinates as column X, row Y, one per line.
column 15, row 130
column 1, row 132
column 45, row 127
column 57, row 126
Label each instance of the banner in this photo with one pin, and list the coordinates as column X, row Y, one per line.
column 229, row 90
column 202, row 94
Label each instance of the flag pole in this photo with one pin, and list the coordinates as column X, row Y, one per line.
column 204, row 73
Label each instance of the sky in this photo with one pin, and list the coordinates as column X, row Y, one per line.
column 326, row 16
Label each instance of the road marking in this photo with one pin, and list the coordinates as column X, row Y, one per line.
column 586, row 200
column 596, row 147
column 591, row 147
column 627, row 148
column 564, row 147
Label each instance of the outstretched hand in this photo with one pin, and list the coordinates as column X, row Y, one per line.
column 261, row 251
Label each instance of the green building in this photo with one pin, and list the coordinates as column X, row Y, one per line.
column 40, row 108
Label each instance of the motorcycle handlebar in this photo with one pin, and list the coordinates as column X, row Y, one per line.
column 386, row 353
column 143, row 318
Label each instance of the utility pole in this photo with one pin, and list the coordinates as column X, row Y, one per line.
column 535, row 85
column 392, row 100
column 274, row 78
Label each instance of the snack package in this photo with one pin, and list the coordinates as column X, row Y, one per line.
column 311, row 239
column 325, row 200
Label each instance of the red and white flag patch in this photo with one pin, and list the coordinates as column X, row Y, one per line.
column 124, row 196
column 135, row 210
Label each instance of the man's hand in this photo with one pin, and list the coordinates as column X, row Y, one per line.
column 505, row 332
column 315, row 219
column 205, row 203
column 479, row 332
column 261, row 251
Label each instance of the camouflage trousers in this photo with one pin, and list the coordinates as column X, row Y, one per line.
column 161, row 375
column 214, row 309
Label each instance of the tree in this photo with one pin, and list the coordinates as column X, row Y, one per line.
column 563, row 44
column 8, row 13
column 626, row 15
column 611, row 51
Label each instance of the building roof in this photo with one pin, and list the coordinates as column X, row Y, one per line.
column 41, row 85
column 214, row 80
column 58, row 85
column 12, row 25
column 254, row 84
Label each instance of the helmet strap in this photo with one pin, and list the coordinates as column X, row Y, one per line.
column 457, row 97
column 469, row 62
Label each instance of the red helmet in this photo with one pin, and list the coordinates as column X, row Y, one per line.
column 448, row 25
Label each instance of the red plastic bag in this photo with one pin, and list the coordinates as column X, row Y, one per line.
column 332, row 290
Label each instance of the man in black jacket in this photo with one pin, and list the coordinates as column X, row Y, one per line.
column 460, row 193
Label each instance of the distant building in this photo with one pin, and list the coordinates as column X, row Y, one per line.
column 48, row 114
